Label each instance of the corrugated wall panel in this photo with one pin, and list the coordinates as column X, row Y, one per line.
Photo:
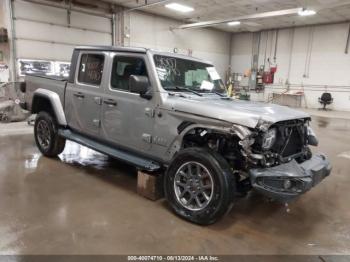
column 43, row 51
column 42, row 31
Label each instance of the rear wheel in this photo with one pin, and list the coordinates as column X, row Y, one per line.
column 46, row 135
column 199, row 185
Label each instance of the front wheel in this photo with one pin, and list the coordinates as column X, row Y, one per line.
column 46, row 135
column 199, row 185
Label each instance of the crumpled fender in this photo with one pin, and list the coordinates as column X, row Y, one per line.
column 241, row 131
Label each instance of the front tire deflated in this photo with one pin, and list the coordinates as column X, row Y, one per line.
column 199, row 185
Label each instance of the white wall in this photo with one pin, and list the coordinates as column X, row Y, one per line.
column 39, row 40
column 152, row 31
column 4, row 47
column 309, row 58
column 242, row 45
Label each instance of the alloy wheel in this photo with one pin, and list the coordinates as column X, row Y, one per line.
column 194, row 186
column 43, row 134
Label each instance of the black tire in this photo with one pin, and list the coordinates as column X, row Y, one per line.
column 224, row 185
column 54, row 144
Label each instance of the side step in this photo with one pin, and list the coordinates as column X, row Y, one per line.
column 140, row 162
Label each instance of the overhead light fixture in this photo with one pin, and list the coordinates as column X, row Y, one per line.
column 234, row 23
column 306, row 12
column 179, row 7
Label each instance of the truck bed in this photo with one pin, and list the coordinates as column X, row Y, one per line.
column 52, row 77
column 52, row 83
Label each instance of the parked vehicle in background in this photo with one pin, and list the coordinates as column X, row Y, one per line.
column 167, row 112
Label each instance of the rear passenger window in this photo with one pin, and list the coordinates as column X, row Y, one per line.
column 123, row 68
column 90, row 69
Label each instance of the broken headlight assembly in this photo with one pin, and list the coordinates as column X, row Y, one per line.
column 269, row 139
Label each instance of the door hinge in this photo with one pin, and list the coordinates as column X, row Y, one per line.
column 98, row 100
column 147, row 138
column 96, row 122
column 149, row 112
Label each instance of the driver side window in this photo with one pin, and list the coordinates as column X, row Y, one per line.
column 123, row 68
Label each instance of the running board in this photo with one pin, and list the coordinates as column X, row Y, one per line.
column 140, row 162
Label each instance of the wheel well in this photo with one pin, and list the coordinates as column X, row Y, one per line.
column 227, row 145
column 200, row 136
column 41, row 103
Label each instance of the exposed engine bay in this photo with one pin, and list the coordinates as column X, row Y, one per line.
column 279, row 143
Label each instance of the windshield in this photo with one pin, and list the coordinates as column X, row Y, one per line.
column 183, row 74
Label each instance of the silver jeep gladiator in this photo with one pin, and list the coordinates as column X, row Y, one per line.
column 169, row 114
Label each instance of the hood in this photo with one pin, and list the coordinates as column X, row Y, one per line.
column 240, row 112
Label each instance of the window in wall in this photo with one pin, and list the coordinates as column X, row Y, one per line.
column 44, row 67
column 123, row 68
column 91, row 68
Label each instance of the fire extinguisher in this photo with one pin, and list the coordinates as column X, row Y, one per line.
column 268, row 76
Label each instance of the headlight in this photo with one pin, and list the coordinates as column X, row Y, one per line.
column 263, row 125
column 269, row 139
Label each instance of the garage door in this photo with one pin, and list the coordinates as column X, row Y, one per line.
column 42, row 32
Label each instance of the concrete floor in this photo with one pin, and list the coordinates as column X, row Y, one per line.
column 83, row 203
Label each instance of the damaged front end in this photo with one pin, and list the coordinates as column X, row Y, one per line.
column 287, row 181
column 281, row 165
column 273, row 158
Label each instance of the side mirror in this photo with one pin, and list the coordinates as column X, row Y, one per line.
column 140, row 85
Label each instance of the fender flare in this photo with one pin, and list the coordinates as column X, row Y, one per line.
column 55, row 103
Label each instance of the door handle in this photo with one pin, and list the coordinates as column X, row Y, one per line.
column 79, row 95
column 110, row 102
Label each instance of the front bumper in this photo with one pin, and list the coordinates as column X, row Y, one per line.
column 287, row 181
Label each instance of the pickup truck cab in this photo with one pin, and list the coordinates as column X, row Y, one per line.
column 169, row 114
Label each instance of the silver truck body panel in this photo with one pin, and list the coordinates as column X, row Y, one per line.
column 234, row 111
column 150, row 127
column 130, row 121
column 83, row 101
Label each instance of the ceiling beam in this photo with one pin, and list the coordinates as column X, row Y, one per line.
column 240, row 18
column 146, row 5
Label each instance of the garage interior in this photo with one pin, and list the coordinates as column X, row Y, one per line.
column 290, row 52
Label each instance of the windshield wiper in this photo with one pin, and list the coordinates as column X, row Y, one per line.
column 219, row 94
column 187, row 89
column 216, row 92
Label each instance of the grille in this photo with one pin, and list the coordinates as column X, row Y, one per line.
column 294, row 143
column 291, row 138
